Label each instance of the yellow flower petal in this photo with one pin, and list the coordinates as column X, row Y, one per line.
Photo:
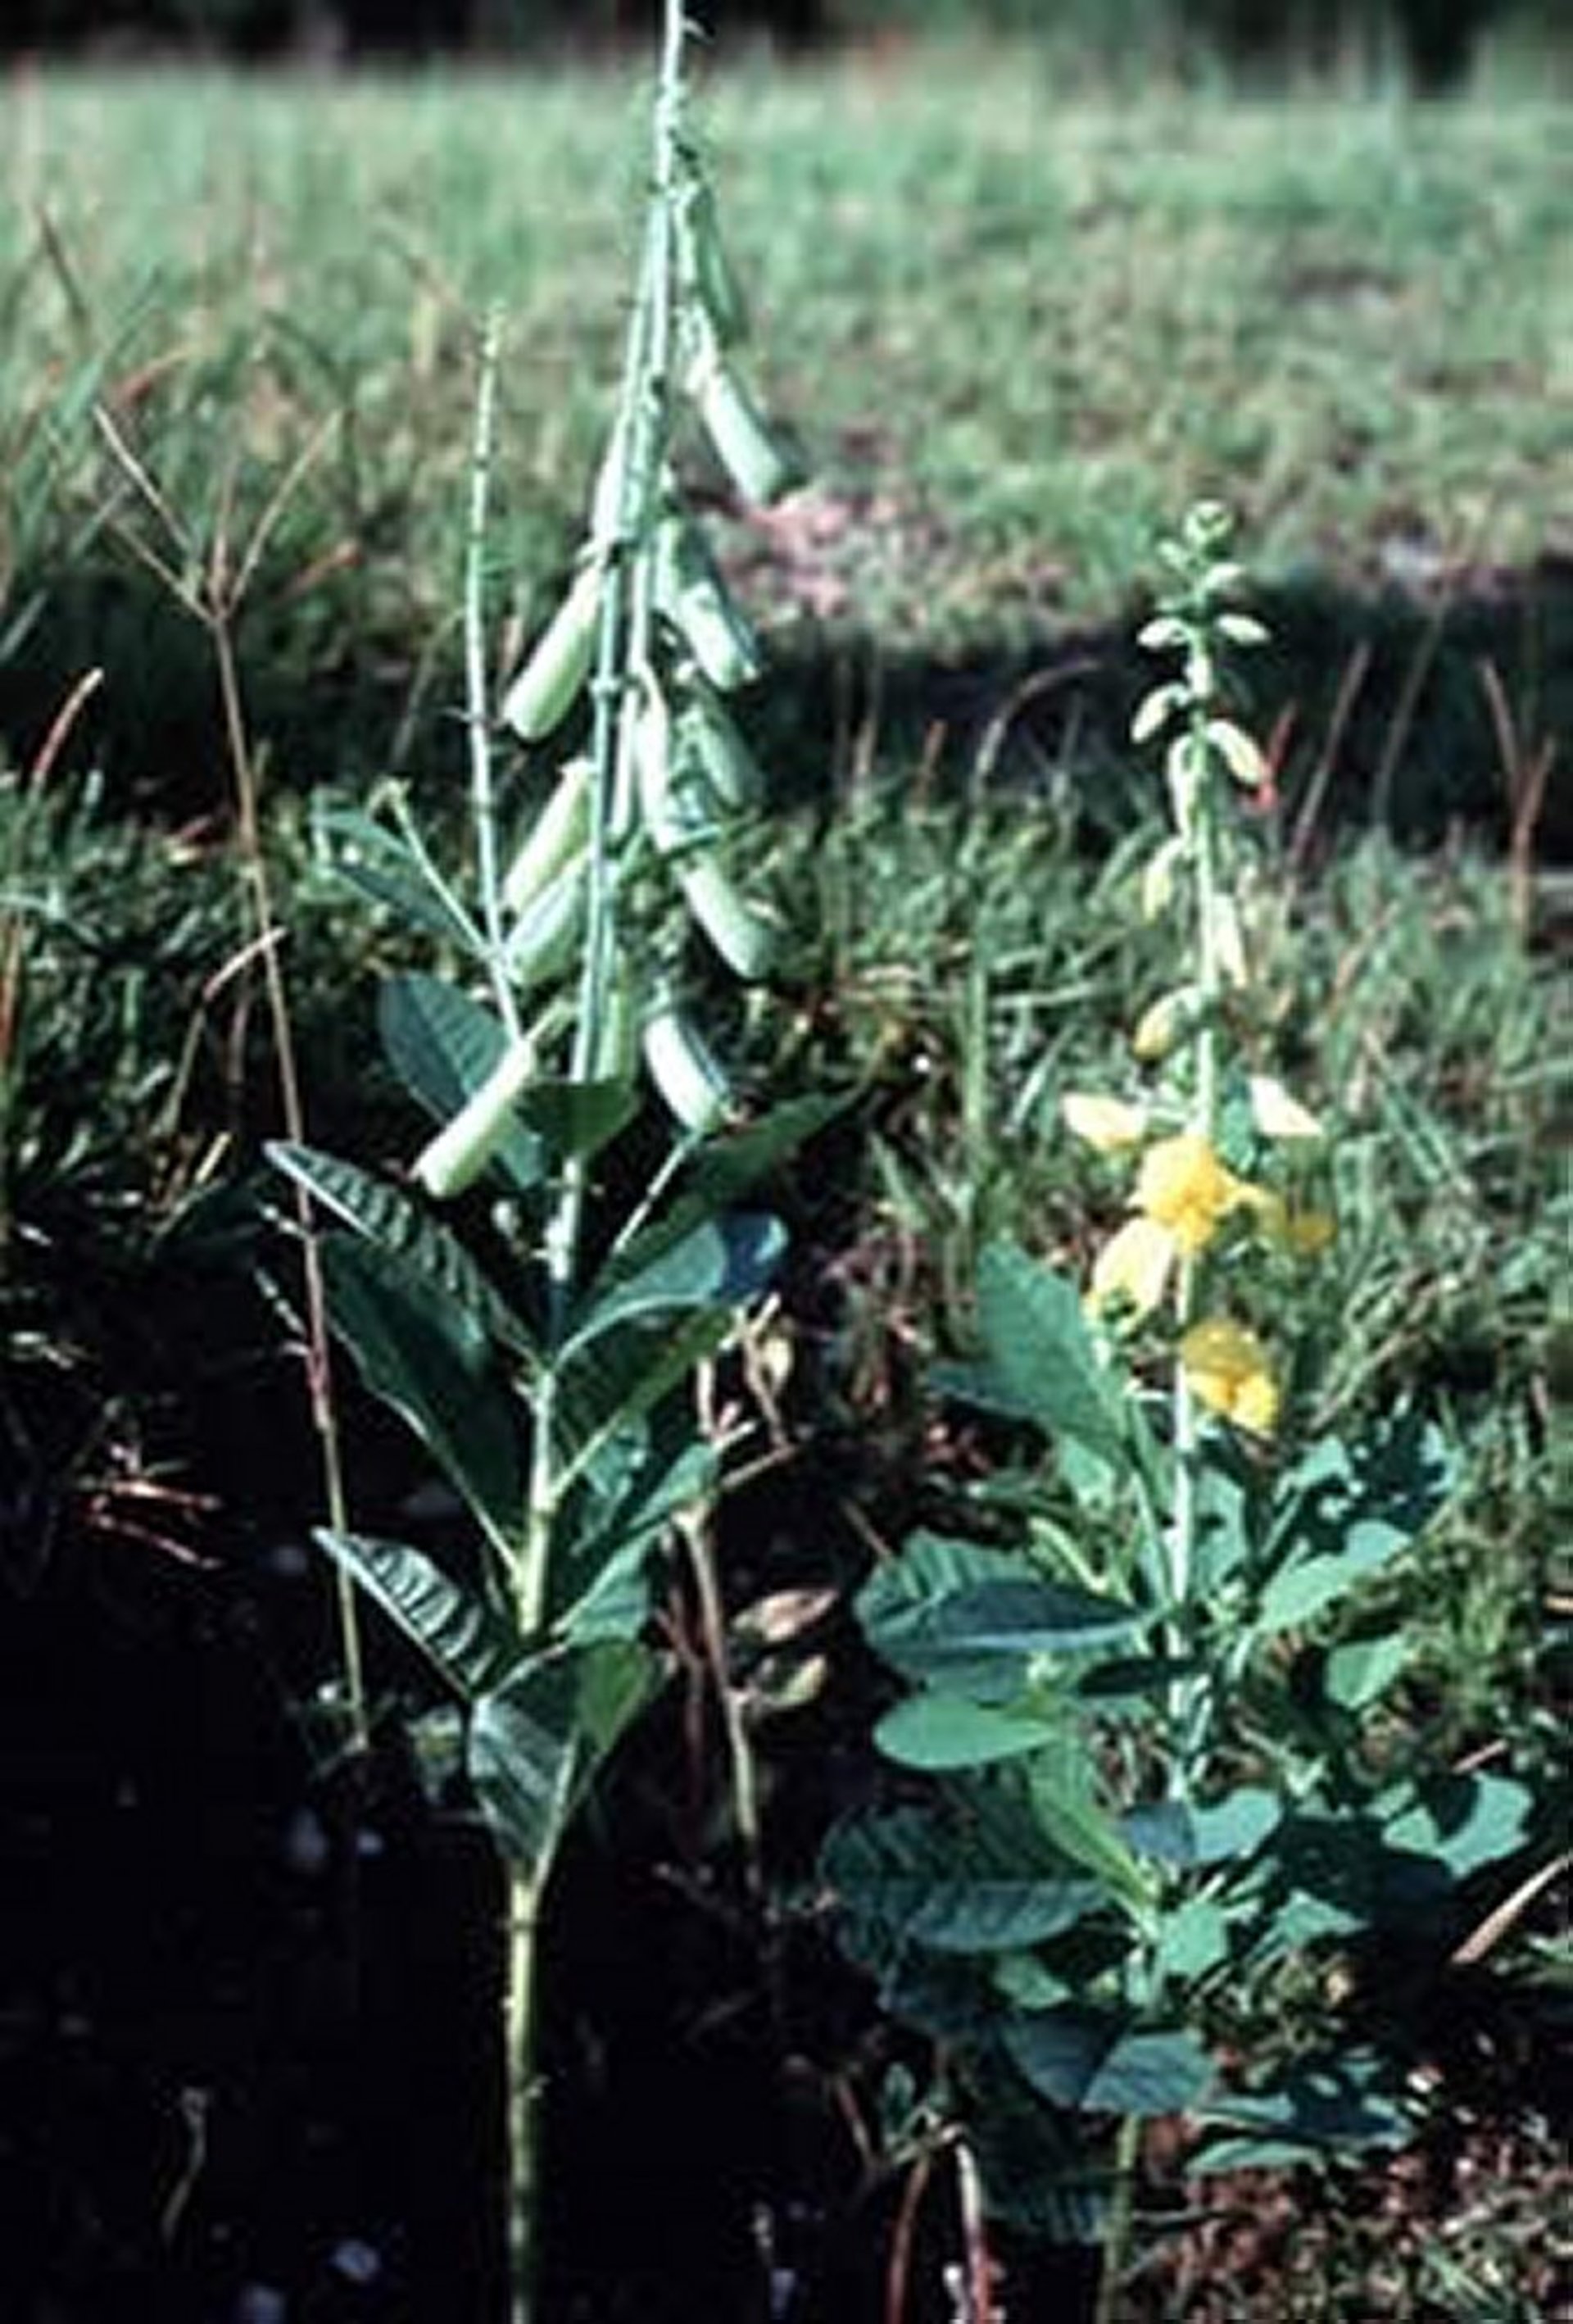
column 1276, row 1115
column 1134, row 1266
column 1108, row 1123
column 1229, row 1373
column 1183, row 1186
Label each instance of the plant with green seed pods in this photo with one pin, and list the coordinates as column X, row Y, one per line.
column 1140, row 1685
column 553, row 1384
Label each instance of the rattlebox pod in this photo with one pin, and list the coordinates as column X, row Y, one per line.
column 691, row 1084
column 455, row 1157
column 739, row 930
column 546, row 689
column 541, row 943
column 762, row 463
column 706, row 738
column 703, row 269
column 691, row 594
column 673, row 798
column 559, row 834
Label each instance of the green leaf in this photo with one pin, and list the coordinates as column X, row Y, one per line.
column 1461, row 1822
column 443, row 1046
column 728, row 1166
column 1322, row 2104
column 1174, row 1831
column 615, row 1535
column 1065, row 1803
column 721, row 1262
column 522, row 1757
column 1194, row 1938
column 615, row 1380
column 470, row 1643
column 390, row 1219
column 382, row 865
column 958, row 1884
column 944, row 1731
column 421, row 1355
column 1344, row 1513
column 1358, row 1673
column 1040, row 1349
column 1093, row 2062
column 536, row 1742
column 576, row 1118
column 902, row 1600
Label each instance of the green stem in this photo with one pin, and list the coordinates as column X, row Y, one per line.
column 1119, row 2233
column 482, row 792
column 521, row 2093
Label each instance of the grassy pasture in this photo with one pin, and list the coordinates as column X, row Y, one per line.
column 1020, row 325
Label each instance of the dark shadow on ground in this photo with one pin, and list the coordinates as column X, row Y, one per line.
column 1440, row 703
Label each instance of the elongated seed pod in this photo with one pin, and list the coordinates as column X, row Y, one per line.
column 561, row 831
column 739, row 930
column 673, row 798
column 455, row 1157
column 617, row 1034
column 762, row 462
column 607, row 512
column 704, row 272
column 541, row 943
column 546, row 689
column 691, row 1084
column 707, row 736
column 691, row 595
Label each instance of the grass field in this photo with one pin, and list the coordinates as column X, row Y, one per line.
column 1020, row 323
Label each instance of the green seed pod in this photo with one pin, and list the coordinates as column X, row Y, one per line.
column 704, row 272
column 674, row 800
column 763, row 463
column 691, row 1084
column 455, row 1157
column 606, row 507
column 739, row 930
column 560, row 833
column 541, row 697
column 617, row 1035
column 541, row 943
column 707, row 735
column 691, row 595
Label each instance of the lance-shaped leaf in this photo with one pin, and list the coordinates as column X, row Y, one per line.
column 390, row 1219
column 1064, row 1789
column 944, row 1731
column 381, row 863
column 954, row 1883
column 577, row 1118
column 609, row 1537
column 621, row 1376
column 421, row 1355
column 444, row 1047
column 721, row 1262
column 1039, row 1348
column 536, row 1742
column 454, row 1625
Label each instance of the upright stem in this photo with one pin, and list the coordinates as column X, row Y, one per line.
column 623, row 652
column 521, row 2093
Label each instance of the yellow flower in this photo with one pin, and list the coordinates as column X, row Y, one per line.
column 1229, row 1371
column 1183, row 1186
column 1108, row 1123
column 1134, row 1266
